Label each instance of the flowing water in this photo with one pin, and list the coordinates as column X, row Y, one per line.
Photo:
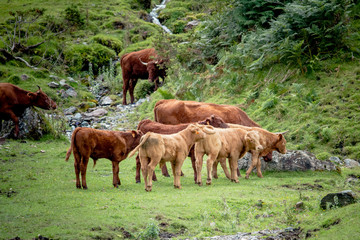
column 154, row 14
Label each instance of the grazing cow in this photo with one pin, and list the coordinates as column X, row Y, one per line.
column 231, row 143
column 143, row 64
column 157, row 148
column 113, row 145
column 14, row 101
column 151, row 126
column 174, row 111
column 270, row 142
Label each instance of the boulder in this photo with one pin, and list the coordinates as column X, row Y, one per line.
column 71, row 93
column 106, row 101
column 24, row 77
column 337, row 199
column 96, row 113
column 70, row 110
column 31, row 124
column 191, row 25
column 291, row 161
column 53, row 85
column 351, row 163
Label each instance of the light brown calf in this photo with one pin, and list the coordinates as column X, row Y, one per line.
column 157, row 148
column 113, row 145
column 228, row 143
column 270, row 142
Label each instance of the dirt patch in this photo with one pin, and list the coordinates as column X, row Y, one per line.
column 304, row 186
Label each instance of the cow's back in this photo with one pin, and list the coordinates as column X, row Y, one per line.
column 175, row 111
column 132, row 67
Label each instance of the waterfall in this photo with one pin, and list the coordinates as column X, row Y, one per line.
column 154, row 15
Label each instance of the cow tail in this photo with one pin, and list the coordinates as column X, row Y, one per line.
column 142, row 141
column 72, row 145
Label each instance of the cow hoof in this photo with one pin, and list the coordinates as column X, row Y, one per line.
column 166, row 175
column 216, row 177
column 200, row 184
column 208, row 183
column 78, row 187
column 246, row 177
column 178, row 187
column 85, row 188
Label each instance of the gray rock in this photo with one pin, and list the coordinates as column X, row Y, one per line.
column 71, row 93
column 62, row 82
column 24, row 77
column 77, row 117
column 349, row 163
column 53, row 85
column 191, row 25
column 70, row 110
column 96, row 113
column 85, row 124
column 106, row 101
column 31, row 125
column 54, row 77
column 336, row 160
column 337, row 199
column 291, row 161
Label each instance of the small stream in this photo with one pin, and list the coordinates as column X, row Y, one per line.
column 154, row 14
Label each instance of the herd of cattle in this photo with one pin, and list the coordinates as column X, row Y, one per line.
column 180, row 129
column 175, row 134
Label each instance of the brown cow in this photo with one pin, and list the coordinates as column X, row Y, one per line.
column 151, row 126
column 270, row 142
column 113, row 145
column 231, row 143
column 157, row 148
column 14, row 101
column 174, row 111
column 143, row 64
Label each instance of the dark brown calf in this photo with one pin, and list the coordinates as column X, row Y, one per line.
column 151, row 126
column 113, row 145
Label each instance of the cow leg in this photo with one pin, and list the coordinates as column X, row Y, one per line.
column 214, row 170
column 233, row 167
column 15, row 119
column 199, row 162
column 164, row 171
column 177, row 173
column 193, row 162
column 150, row 171
column 144, row 167
column 224, row 167
column 83, row 167
column 253, row 164
column 238, row 172
column 115, row 168
column 131, row 89
column 138, row 167
column 258, row 165
column 125, row 89
column 209, row 165
column 77, row 160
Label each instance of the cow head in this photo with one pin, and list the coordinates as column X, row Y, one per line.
column 155, row 69
column 280, row 145
column 41, row 100
column 215, row 121
column 252, row 139
column 196, row 131
column 136, row 135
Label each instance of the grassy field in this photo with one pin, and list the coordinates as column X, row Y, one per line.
column 38, row 197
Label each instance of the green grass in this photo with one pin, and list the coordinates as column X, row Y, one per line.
column 38, row 196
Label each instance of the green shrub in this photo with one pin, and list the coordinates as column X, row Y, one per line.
column 323, row 156
column 78, row 57
column 151, row 232
column 109, row 41
column 74, row 17
column 14, row 79
column 144, row 88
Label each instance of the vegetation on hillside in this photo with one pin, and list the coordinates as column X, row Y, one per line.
column 290, row 64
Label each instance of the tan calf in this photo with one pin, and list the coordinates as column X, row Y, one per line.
column 270, row 142
column 157, row 148
column 228, row 143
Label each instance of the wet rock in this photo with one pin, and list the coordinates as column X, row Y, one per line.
column 77, row 117
column 53, row 85
column 337, row 199
column 31, row 125
column 299, row 206
column 349, row 163
column 62, row 82
column 291, row 161
column 70, row 110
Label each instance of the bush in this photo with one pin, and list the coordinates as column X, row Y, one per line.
column 78, row 57
column 144, row 88
column 109, row 41
column 74, row 17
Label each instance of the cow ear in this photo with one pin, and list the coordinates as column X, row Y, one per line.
column 31, row 95
column 207, row 122
column 133, row 133
column 280, row 137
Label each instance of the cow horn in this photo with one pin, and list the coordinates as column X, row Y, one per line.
column 143, row 62
column 38, row 87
